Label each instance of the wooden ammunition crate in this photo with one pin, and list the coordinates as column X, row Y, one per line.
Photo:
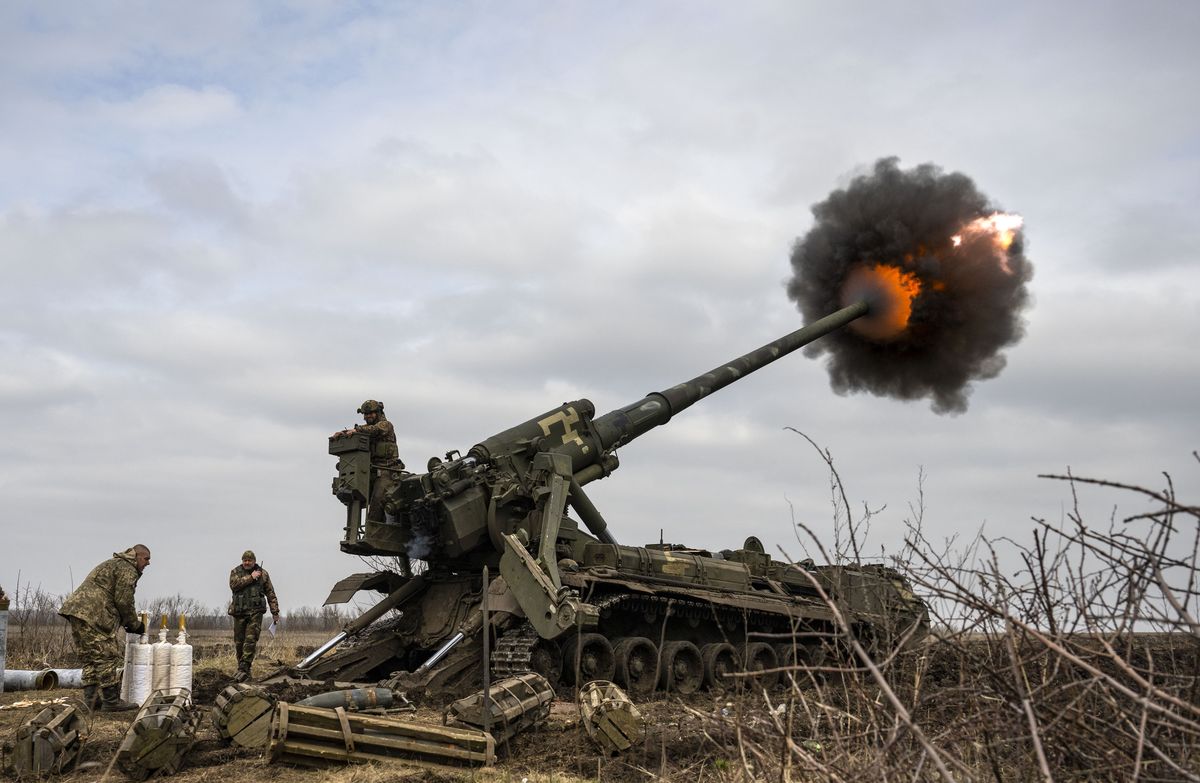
column 515, row 704
column 160, row 736
column 49, row 742
column 319, row 736
column 242, row 715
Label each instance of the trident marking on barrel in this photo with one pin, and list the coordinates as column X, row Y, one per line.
column 568, row 419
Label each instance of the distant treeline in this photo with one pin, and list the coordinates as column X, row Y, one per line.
column 32, row 607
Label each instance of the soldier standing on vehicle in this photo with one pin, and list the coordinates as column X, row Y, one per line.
column 252, row 592
column 385, row 457
column 98, row 606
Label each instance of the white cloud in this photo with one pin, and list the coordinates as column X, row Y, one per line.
column 172, row 107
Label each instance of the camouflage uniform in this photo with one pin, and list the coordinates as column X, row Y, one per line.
column 97, row 607
column 251, row 598
column 384, row 454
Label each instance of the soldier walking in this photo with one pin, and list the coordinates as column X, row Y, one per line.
column 252, row 592
column 101, row 604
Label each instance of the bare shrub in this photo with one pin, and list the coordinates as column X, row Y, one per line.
column 37, row 637
column 173, row 606
column 321, row 618
column 1074, row 655
column 201, row 617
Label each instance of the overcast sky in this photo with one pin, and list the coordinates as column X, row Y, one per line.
column 223, row 225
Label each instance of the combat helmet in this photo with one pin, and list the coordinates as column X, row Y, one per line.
column 371, row 406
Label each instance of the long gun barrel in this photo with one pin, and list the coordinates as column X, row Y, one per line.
column 570, row 429
column 657, row 408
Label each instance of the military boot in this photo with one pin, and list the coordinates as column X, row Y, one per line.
column 91, row 697
column 243, row 672
column 110, row 700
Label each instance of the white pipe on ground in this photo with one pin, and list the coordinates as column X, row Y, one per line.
column 69, row 678
column 23, row 680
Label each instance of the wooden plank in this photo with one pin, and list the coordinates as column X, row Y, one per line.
column 283, row 718
column 156, row 750
column 256, row 734
column 242, row 715
column 344, row 725
column 301, row 734
column 334, row 737
column 250, row 721
column 619, row 738
column 300, row 715
column 401, row 730
column 316, row 754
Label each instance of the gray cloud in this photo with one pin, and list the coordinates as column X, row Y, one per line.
column 213, row 246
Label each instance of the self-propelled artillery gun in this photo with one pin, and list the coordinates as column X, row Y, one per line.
column 567, row 600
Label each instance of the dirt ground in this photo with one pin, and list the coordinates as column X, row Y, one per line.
column 956, row 680
column 559, row 750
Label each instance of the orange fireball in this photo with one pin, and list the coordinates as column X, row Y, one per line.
column 890, row 291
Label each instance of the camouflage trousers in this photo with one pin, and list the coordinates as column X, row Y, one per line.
column 381, row 482
column 103, row 658
column 246, row 630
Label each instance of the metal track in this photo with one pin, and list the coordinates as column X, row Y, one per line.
column 514, row 651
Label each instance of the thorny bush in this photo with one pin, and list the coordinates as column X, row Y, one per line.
column 1081, row 663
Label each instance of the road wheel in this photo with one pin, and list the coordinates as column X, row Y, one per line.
column 798, row 654
column 546, row 660
column 758, row 657
column 681, row 670
column 596, row 660
column 812, row 654
column 720, row 660
column 637, row 664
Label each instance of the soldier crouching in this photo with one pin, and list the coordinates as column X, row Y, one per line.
column 104, row 601
column 252, row 592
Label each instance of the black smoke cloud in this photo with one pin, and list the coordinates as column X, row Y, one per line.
column 971, row 297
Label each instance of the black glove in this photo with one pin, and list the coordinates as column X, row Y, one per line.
column 137, row 629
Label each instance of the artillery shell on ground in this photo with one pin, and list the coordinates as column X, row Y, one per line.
column 242, row 715
column 318, row 736
column 515, row 704
column 160, row 736
column 49, row 742
column 609, row 717
column 354, row 699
